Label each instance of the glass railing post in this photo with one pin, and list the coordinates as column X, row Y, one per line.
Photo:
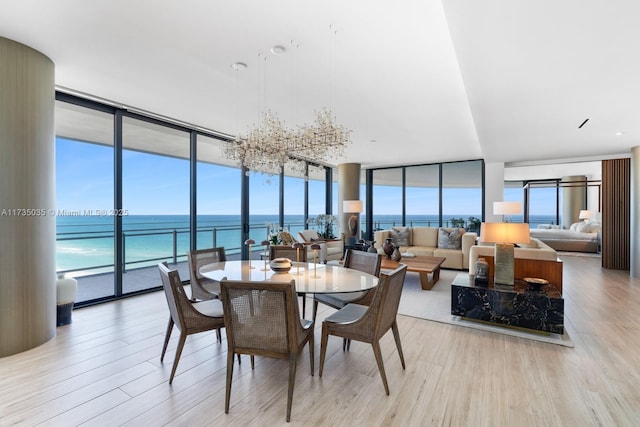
column 215, row 237
column 124, row 256
column 175, row 246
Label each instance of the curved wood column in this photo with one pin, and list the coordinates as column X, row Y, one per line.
column 27, row 198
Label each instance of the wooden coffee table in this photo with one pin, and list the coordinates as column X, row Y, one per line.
column 423, row 265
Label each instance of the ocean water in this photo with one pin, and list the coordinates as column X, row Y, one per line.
column 85, row 243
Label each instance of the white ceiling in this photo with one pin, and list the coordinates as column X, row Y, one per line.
column 428, row 80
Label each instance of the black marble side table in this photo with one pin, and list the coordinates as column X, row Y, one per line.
column 517, row 305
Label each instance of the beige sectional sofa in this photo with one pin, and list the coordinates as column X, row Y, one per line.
column 534, row 250
column 424, row 241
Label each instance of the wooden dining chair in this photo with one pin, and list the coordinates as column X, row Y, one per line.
column 203, row 288
column 188, row 317
column 369, row 324
column 262, row 319
column 288, row 251
column 363, row 261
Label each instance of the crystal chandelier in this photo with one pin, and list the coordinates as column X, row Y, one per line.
column 268, row 146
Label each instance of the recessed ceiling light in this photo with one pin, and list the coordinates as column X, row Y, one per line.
column 239, row 66
column 278, row 49
column 619, row 133
column 373, row 141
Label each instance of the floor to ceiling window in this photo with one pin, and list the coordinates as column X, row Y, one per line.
column 294, row 197
column 387, row 198
column 264, row 205
column 84, row 198
column 155, row 199
column 440, row 194
column 461, row 193
column 422, row 195
column 317, row 190
column 218, row 190
column 118, row 170
column 543, row 202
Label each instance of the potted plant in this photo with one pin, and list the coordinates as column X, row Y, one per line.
column 324, row 225
column 473, row 224
column 457, row 222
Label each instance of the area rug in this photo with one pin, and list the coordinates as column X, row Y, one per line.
column 435, row 305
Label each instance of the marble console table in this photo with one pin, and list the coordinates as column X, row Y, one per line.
column 516, row 305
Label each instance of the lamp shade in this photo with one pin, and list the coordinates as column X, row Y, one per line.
column 585, row 214
column 507, row 208
column 352, row 206
column 504, row 232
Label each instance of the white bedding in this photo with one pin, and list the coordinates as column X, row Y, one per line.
column 560, row 234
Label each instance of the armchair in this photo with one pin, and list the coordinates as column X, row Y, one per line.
column 330, row 250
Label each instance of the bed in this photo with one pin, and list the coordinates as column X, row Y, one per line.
column 581, row 237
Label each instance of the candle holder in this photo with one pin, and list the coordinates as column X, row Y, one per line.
column 250, row 242
column 264, row 255
column 297, row 246
column 315, row 248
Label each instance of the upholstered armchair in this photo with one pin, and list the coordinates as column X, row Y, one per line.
column 329, row 249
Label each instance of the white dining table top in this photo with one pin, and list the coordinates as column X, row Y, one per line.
column 309, row 277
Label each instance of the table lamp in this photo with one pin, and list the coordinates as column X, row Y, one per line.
column 316, row 248
column 249, row 242
column 297, row 246
column 265, row 243
column 504, row 235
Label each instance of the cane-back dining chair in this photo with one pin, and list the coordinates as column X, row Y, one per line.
column 364, row 261
column 369, row 324
column 188, row 317
column 262, row 319
column 287, row 251
column 203, row 288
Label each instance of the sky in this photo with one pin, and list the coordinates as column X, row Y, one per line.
column 154, row 184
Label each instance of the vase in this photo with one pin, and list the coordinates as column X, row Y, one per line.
column 388, row 247
column 482, row 272
column 396, row 256
column 372, row 247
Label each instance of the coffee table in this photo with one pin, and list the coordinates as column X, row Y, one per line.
column 421, row 264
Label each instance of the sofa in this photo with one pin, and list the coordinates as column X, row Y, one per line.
column 536, row 249
column 450, row 243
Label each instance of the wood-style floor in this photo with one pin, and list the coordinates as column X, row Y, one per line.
column 104, row 370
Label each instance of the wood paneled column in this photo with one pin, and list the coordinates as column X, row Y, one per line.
column 634, row 268
column 27, row 198
column 615, row 213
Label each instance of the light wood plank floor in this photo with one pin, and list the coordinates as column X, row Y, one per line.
column 104, row 369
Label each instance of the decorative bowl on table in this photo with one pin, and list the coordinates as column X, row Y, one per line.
column 535, row 284
column 280, row 265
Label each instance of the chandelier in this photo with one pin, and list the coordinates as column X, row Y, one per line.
column 268, row 146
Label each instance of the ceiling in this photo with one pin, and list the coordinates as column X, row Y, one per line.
column 427, row 80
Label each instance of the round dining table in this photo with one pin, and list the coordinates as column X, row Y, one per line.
column 309, row 277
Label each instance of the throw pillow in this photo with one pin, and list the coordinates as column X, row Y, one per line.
column 449, row 239
column 574, row 226
column 285, row 238
column 400, row 236
column 583, row 227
